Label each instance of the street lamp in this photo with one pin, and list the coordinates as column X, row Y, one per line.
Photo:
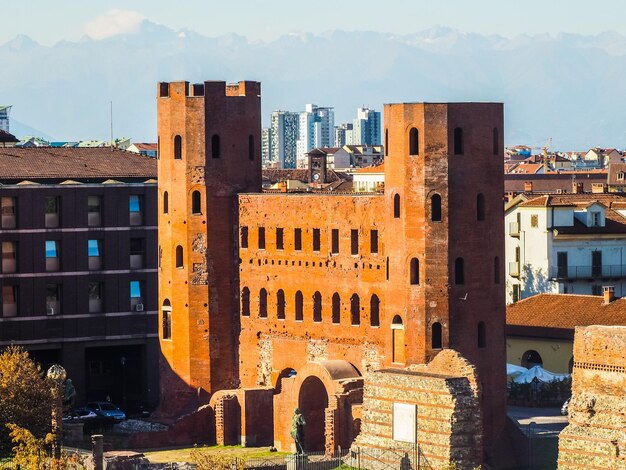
column 56, row 374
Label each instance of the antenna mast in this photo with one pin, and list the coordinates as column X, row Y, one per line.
column 111, row 125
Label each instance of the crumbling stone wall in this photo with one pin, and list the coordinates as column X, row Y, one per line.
column 596, row 434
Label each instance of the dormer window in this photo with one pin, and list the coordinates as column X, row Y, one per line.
column 620, row 176
column 595, row 219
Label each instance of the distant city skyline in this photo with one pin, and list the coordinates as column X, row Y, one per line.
column 269, row 20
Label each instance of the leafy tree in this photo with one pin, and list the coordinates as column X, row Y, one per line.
column 25, row 396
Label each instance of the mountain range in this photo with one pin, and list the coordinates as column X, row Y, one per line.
column 566, row 87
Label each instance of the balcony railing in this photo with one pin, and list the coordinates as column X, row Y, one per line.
column 607, row 271
column 514, row 268
column 514, row 229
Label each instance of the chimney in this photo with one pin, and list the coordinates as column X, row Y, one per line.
column 528, row 186
column 577, row 188
column 609, row 294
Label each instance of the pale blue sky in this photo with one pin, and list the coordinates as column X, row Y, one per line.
column 48, row 22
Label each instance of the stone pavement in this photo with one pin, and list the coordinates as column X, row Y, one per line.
column 548, row 421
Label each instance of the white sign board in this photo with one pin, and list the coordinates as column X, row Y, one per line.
column 405, row 422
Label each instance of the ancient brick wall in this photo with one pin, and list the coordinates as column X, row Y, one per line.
column 596, row 434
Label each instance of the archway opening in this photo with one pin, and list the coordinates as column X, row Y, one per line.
column 284, row 374
column 313, row 401
column 397, row 338
column 531, row 358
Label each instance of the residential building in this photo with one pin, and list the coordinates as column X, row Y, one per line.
column 343, row 134
column 284, row 138
column 366, row 128
column 369, row 180
column 7, row 139
column 4, row 118
column 79, row 267
column 266, row 146
column 316, row 129
column 565, row 243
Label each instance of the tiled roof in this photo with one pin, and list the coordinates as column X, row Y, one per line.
column 565, row 311
column 6, row 137
column 73, row 163
column 527, row 168
column 145, row 146
column 580, row 200
column 371, row 169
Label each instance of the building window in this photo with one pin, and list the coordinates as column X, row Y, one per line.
column 9, row 301
column 9, row 257
column 94, row 211
column 178, row 147
column 354, row 241
column 95, row 297
column 244, row 237
column 136, row 209
column 458, row 141
column 299, row 306
column 280, row 304
column 414, row 142
column 415, row 272
column 335, row 241
column 215, row 146
column 496, row 270
column 386, row 142
column 8, row 212
column 53, row 299
column 534, row 220
column 561, row 264
column 596, row 263
column 52, row 255
column 196, row 203
column 435, row 337
column 136, row 296
column 166, row 311
column 251, row 149
column 179, row 257
column 595, row 219
column 297, row 239
column 396, row 206
column 166, row 203
column 482, row 334
column 596, row 290
column 316, row 239
column 397, row 339
column 280, row 243
column 374, row 311
column 459, row 271
column 94, row 254
column 355, row 309
column 496, row 141
column 517, row 292
column 317, row 307
column 52, row 205
column 245, row 302
column 374, row 241
column 435, row 208
column 261, row 238
column 531, row 358
column 336, row 308
column 480, row 207
column 262, row 303
column 137, row 253
column 387, row 269
column 620, row 175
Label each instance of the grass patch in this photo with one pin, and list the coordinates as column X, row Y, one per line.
column 184, row 454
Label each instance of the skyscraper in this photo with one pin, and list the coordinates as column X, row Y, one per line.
column 343, row 134
column 4, row 118
column 317, row 129
column 266, row 146
column 366, row 127
column 283, row 138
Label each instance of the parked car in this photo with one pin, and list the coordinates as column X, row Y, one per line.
column 106, row 409
column 565, row 407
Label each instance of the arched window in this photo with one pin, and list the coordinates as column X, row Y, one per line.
column 299, row 306
column 317, row 307
column 179, row 257
column 280, row 304
column 496, row 270
column 355, row 309
column 245, row 302
column 178, row 147
column 251, row 147
column 458, row 141
column 435, row 208
column 397, row 338
column 531, row 358
column 336, row 308
column 196, row 203
column 482, row 334
column 414, row 146
column 166, row 310
column 374, row 311
column 459, row 271
column 386, row 142
column 415, row 271
column 496, row 141
column 396, row 206
column 166, row 202
column 262, row 303
column 215, row 146
column 435, row 336
column 480, row 206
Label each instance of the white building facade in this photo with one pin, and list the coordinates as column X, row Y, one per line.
column 316, row 129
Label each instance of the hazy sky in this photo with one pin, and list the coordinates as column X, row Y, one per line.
column 48, row 22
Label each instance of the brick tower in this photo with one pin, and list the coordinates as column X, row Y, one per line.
column 209, row 151
column 444, row 217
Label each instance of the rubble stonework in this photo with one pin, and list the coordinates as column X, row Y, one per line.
column 596, row 435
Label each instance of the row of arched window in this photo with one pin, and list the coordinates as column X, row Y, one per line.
column 318, row 309
column 458, row 147
column 196, row 203
column 435, row 207
column 215, row 147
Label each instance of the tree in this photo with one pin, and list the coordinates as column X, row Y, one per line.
column 25, row 396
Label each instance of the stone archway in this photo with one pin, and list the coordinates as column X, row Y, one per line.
column 313, row 403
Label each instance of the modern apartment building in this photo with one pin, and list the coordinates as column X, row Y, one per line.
column 4, row 118
column 317, row 129
column 366, row 128
column 284, row 138
column 79, row 267
column 266, row 146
